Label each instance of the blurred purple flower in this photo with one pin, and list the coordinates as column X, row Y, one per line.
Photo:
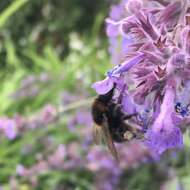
column 112, row 29
column 20, row 170
column 31, row 86
column 97, row 160
column 118, row 11
column 57, row 159
column 180, row 185
column 9, row 128
column 80, row 118
column 48, row 114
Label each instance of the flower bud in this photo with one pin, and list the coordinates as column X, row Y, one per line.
column 185, row 39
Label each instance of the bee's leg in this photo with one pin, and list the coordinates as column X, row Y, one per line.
column 117, row 110
column 129, row 116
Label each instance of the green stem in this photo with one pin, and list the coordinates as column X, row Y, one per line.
column 75, row 105
column 8, row 12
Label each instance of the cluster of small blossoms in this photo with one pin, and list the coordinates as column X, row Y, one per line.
column 151, row 51
column 80, row 154
column 76, row 156
column 12, row 127
column 31, row 86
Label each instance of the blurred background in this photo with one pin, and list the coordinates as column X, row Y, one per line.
column 51, row 51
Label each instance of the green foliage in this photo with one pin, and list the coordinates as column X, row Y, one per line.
column 39, row 22
column 23, row 54
column 14, row 7
column 147, row 174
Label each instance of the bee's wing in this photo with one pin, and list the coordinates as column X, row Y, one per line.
column 108, row 139
column 97, row 134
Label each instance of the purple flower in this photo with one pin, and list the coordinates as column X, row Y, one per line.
column 48, row 114
column 56, row 159
column 149, row 45
column 98, row 159
column 134, row 6
column 185, row 38
column 180, row 185
column 9, row 128
column 20, row 170
column 118, row 11
column 170, row 15
column 118, row 50
column 112, row 29
column 104, row 86
column 164, row 134
column 147, row 27
column 126, row 66
column 80, row 118
column 160, row 141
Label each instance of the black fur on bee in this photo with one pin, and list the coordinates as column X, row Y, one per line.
column 105, row 110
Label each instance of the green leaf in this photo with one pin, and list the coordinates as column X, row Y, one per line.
column 9, row 11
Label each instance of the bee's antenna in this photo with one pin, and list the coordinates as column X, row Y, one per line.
column 129, row 116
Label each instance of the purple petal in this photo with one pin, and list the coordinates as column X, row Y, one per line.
column 147, row 26
column 185, row 38
column 104, row 86
column 2, row 120
column 129, row 64
column 164, row 134
column 128, row 105
column 118, row 11
column 162, row 140
column 112, row 28
column 134, row 6
column 113, row 50
column 170, row 16
column 177, row 119
column 125, row 46
column 10, row 129
column 171, row 12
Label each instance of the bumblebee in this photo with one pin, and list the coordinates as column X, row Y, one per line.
column 111, row 123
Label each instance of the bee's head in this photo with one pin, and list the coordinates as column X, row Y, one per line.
column 106, row 98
